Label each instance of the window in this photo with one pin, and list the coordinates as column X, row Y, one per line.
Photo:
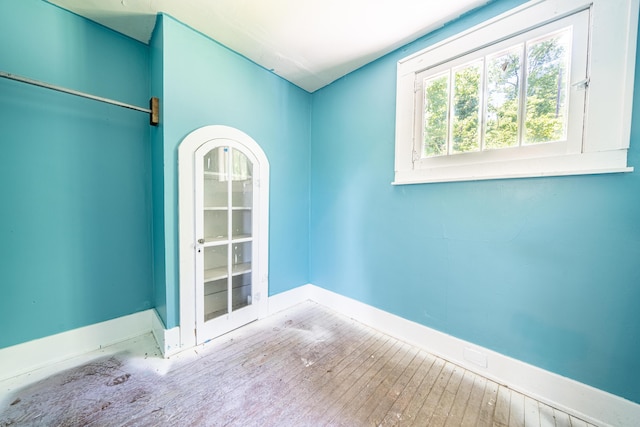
column 550, row 98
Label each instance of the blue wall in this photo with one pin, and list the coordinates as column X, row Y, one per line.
column 204, row 83
column 543, row 270
column 74, row 218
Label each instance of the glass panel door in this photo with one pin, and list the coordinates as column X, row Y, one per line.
column 224, row 258
column 241, row 230
column 215, row 219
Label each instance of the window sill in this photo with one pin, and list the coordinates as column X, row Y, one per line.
column 578, row 164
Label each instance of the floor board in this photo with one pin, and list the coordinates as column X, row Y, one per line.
column 306, row 366
column 472, row 410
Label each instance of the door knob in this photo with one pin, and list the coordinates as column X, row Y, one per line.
column 201, row 241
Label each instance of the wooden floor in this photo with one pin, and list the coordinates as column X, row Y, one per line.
column 307, row 366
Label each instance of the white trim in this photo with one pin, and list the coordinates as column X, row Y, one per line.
column 186, row 226
column 31, row 355
column 288, row 299
column 168, row 339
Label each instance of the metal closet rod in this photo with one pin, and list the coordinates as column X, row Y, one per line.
column 154, row 103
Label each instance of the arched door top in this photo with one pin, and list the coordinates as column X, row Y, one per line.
column 206, row 133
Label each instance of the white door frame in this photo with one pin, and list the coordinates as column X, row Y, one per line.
column 186, row 228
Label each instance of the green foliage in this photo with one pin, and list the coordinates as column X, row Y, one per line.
column 503, row 87
column 546, row 92
column 545, row 106
column 466, row 100
column 436, row 115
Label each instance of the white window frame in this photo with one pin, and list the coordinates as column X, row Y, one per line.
column 606, row 124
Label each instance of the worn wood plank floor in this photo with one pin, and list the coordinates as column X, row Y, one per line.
column 307, row 366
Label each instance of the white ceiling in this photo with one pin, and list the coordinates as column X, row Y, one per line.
column 310, row 43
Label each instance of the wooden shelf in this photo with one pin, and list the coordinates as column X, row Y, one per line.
column 223, row 177
column 211, row 175
column 221, row 273
column 217, row 241
column 224, row 208
column 222, row 312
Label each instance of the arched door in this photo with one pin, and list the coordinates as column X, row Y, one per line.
column 228, row 241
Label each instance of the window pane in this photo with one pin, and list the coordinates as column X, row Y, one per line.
column 466, row 108
column 503, row 89
column 547, row 88
column 436, row 108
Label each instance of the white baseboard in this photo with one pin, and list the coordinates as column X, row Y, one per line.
column 31, row 355
column 287, row 299
column 591, row 404
column 168, row 340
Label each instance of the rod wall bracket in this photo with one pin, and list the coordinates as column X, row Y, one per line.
column 154, row 116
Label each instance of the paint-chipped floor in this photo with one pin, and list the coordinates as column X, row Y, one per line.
column 306, row 366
